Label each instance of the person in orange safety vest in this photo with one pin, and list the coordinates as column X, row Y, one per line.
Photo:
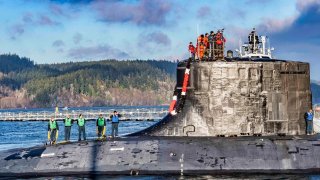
column 219, row 42
column 200, row 39
column 219, row 38
column 192, row 50
column 200, row 49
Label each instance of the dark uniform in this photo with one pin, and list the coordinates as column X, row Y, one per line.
column 211, row 45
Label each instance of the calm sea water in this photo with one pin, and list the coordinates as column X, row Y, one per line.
column 30, row 133
column 27, row 134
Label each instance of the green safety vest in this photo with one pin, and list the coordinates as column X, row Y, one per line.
column 81, row 121
column 68, row 122
column 100, row 121
column 53, row 125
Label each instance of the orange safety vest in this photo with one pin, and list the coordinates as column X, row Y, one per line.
column 218, row 39
column 206, row 41
column 192, row 48
column 201, row 50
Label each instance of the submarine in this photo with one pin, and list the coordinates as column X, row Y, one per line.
column 241, row 114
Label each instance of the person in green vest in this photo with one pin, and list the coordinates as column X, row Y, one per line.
column 53, row 131
column 82, row 128
column 67, row 128
column 101, row 126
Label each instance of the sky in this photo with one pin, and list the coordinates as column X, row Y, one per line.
column 54, row 31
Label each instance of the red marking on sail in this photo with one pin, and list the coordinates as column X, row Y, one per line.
column 185, row 82
column 173, row 103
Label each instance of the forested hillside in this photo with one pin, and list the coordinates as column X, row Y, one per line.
column 96, row 83
column 107, row 82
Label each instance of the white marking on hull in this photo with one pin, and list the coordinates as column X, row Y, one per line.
column 47, row 155
column 181, row 165
column 117, row 149
column 173, row 112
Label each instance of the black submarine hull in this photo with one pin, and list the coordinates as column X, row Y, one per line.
column 167, row 155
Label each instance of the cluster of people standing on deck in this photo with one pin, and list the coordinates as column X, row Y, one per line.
column 209, row 46
column 53, row 127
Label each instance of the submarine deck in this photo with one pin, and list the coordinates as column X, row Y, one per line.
column 166, row 155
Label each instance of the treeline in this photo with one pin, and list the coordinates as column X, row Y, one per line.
column 12, row 62
column 89, row 83
column 96, row 83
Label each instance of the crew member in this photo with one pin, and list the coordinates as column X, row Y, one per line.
column 192, row 50
column 211, row 44
column 53, row 130
column 219, row 41
column 206, row 40
column 82, row 128
column 218, row 38
column 115, row 123
column 67, row 128
column 200, row 50
column 309, row 121
column 199, row 41
column 101, row 126
column 206, row 44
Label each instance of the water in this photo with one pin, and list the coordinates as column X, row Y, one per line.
column 27, row 134
column 31, row 133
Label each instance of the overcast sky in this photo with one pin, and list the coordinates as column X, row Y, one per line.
column 49, row 31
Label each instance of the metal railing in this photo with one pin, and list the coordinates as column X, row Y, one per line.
column 138, row 114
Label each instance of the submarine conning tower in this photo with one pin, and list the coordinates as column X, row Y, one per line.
column 239, row 97
column 244, row 98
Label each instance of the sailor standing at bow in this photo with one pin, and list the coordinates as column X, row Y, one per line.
column 115, row 123
column 82, row 127
column 67, row 128
column 53, row 131
column 101, row 126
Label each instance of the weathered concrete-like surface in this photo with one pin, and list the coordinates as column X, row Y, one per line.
column 241, row 98
column 167, row 155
